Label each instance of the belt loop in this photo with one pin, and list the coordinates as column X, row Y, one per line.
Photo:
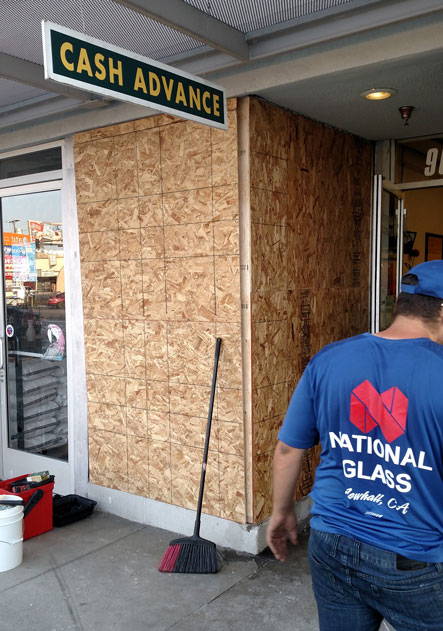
column 356, row 553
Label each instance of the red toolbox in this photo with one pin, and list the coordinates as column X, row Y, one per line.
column 39, row 519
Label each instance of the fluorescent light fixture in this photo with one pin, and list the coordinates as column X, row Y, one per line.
column 378, row 94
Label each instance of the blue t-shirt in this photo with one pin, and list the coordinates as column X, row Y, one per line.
column 376, row 406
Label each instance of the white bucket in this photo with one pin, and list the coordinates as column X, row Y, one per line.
column 11, row 538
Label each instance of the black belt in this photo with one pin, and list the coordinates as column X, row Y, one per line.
column 404, row 564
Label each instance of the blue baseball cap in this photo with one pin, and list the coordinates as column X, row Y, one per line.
column 430, row 279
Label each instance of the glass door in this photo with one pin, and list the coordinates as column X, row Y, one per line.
column 33, row 371
column 388, row 235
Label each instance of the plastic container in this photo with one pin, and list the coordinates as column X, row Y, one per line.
column 39, row 519
column 11, row 538
column 70, row 508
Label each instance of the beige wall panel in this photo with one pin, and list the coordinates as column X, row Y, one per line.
column 160, row 471
column 126, row 165
column 232, row 487
column 137, row 422
column 186, row 156
column 130, row 244
column 132, row 290
column 263, row 485
column 103, row 389
column 135, row 393
column 100, row 246
column 108, row 459
column 224, row 152
column 159, row 426
column 230, row 438
column 156, row 350
column 190, row 431
column 150, row 211
column 104, row 347
column 268, row 257
column 230, row 366
column 138, row 466
column 269, row 129
column 191, row 400
column 186, row 466
column 152, row 242
column 270, row 401
column 111, row 418
column 269, row 353
column 226, row 237
column 269, row 173
column 134, row 349
column 148, row 162
column 227, row 288
column 190, row 288
column 187, row 207
column 102, row 289
column 158, row 396
column 265, row 434
column 95, row 171
column 112, row 130
column 229, row 405
column 98, row 216
column 191, row 352
column 225, row 201
column 154, row 292
column 269, row 305
column 181, row 240
column 269, row 207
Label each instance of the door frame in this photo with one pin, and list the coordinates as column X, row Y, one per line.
column 75, row 477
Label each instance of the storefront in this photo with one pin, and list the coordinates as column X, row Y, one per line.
column 133, row 239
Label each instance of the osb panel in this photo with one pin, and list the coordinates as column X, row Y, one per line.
column 103, row 345
column 108, row 461
column 268, row 257
column 263, row 485
column 269, row 129
column 102, row 289
column 186, row 156
column 269, row 173
column 138, row 466
column 187, row 207
column 232, row 487
column 269, row 305
column 265, row 434
column 158, row 215
column 269, row 207
column 269, row 353
column 98, row 216
column 190, row 288
column 160, row 470
column 111, row 418
column 186, row 465
column 270, row 401
column 311, row 459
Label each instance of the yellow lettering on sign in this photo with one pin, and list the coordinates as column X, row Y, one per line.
column 83, row 62
column 168, row 88
column 63, row 50
column 180, row 96
column 139, row 81
column 206, row 96
column 216, row 104
column 115, row 71
column 194, row 98
column 154, row 84
column 98, row 60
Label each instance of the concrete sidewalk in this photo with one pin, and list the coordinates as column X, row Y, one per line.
column 100, row 574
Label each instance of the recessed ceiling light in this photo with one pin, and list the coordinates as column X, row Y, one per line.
column 378, row 94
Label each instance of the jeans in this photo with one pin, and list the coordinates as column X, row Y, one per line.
column 357, row 585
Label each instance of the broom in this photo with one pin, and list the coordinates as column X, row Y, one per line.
column 195, row 555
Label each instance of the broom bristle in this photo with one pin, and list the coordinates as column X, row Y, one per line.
column 191, row 556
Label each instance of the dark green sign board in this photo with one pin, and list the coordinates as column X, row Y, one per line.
column 95, row 66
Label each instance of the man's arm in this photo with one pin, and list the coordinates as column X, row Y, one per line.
column 287, row 467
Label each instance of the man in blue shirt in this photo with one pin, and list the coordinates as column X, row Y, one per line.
column 375, row 403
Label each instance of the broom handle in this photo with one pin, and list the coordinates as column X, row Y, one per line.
column 208, row 433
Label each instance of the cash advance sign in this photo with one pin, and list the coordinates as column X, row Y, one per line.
column 87, row 63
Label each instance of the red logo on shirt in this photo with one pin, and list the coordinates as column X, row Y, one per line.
column 388, row 410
